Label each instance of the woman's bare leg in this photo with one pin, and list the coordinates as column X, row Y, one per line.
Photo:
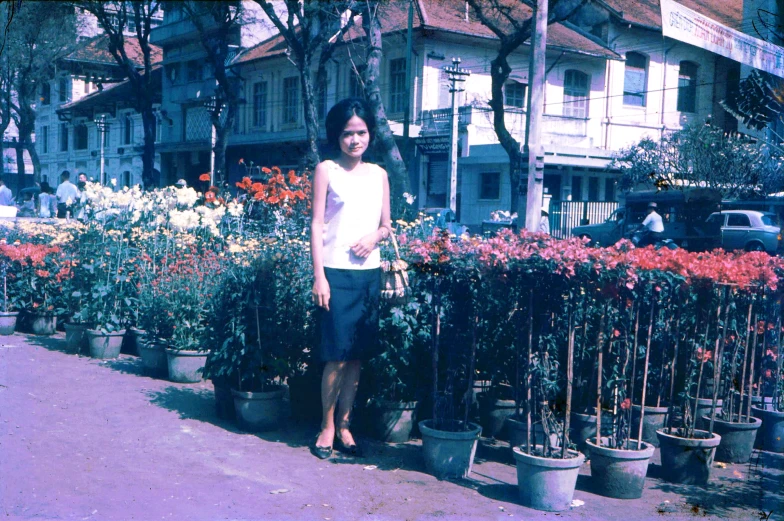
column 348, row 391
column 330, row 389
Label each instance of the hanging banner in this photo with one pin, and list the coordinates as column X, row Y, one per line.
column 688, row 26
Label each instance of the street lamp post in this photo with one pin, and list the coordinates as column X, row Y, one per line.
column 211, row 104
column 101, row 123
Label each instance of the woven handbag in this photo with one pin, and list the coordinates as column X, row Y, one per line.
column 394, row 277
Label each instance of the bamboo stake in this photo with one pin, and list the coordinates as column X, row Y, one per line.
column 673, row 371
column 751, row 366
column 645, row 375
column 634, row 352
column 699, row 378
column 600, row 353
column 778, row 362
column 627, row 355
column 471, row 367
column 745, row 364
column 517, row 369
column 719, row 354
column 569, row 377
column 436, row 339
column 529, row 405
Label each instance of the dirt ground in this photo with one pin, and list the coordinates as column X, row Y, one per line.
column 89, row 440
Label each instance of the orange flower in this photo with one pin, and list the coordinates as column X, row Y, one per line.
column 266, row 170
column 626, row 404
column 703, row 356
column 241, row 161
column 205, row 177
column 209, row 197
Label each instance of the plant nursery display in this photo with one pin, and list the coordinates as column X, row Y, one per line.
column 579, row 352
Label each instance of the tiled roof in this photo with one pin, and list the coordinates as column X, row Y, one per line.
column 446, row 16
column 96, row 50
column 114, row 93
column 648, row 12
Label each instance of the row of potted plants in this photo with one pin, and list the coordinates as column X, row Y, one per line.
column 605, row 352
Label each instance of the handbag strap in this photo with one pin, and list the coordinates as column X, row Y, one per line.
column 394, row 243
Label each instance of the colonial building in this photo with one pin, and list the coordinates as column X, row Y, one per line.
column 611, row 79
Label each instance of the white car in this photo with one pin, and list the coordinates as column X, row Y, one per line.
column 748, row 230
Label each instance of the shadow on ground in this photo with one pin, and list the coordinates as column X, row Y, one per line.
column 758, row 487
column 50, row 343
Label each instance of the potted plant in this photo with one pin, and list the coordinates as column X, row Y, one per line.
column 451, row 286
column 9, row 314
column 770, row 388
column 547, row 472
column 619, row 463
column 153, row 314
column 735, row 425
column 74, row 289
column 189, row 285
column 38, row 279
column 687, row 453
column 391, row 376
column 109, row 295
column 246, row 362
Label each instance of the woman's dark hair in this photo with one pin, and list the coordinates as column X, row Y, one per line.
column 340, row 113
column 45, row 188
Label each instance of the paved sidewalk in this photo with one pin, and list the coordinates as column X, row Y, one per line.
column 88, row 440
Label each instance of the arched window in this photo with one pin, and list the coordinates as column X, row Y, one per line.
column 687, row 87
column 576, row 88
column 634, row 82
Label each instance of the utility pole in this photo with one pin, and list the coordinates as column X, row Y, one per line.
column 456, row 75
column 407, row 106
column 536, row 81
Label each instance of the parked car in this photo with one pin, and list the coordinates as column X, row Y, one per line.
column 684, row 213
column 603, row 234
column 748, row 230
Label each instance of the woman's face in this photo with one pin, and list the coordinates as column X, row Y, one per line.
column 355, row 138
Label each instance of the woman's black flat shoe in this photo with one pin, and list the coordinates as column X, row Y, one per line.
column 320, row 452
column 351, row 450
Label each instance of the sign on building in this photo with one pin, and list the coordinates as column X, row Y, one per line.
column 686, row 25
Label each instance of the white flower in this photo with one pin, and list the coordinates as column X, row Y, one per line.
column 114, row 181
column 409, row 198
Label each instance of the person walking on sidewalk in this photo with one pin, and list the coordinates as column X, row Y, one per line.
column 350, row 217
column 67, row 195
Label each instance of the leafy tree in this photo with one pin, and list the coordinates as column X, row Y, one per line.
column 703, row 155
column 512, row 23
column 114, row 18
column 39, row 34
column 215, row 22
column 311, row 28
column 372, row 11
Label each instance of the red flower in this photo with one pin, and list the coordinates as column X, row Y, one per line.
column 626, row 404
column 206, row 177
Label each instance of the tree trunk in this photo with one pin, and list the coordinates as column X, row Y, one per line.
column 311, row 157
column 385, row 140
column 149, row 123
column 499, row 73
column 35, row 160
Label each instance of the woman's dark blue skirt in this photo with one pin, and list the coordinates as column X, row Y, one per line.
column 349, row 330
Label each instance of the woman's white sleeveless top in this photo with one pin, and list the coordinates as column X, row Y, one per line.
column 353, row 210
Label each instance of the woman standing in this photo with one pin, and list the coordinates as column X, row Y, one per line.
column 350, row 217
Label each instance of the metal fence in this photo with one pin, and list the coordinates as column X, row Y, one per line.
column 565, row 215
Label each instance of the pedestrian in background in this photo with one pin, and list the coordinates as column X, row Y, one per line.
column 47, row 202
column 6, row 196
column 350, row 217
column 67, row 195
